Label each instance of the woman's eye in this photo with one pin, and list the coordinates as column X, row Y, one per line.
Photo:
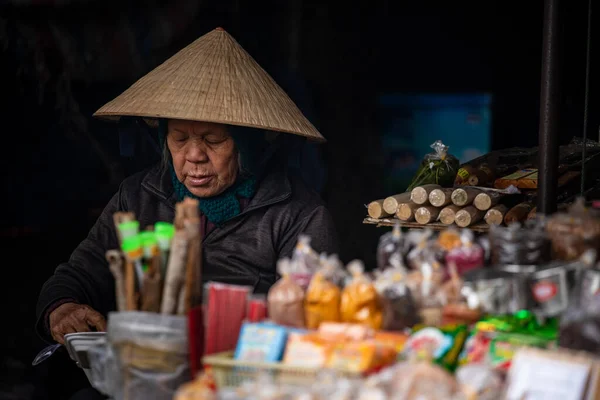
column 214, row 139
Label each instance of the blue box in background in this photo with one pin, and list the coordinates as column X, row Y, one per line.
column 412, row 122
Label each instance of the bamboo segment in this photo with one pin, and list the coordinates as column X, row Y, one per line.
column 425, row 215
column 495, row 215
column 420, row 194
column 375, row 209
column 390, row 204
column 406, row 211
column 468, row 216
column 115, row 264
column 518, row 213
column 464, row 196
column 448, row 214
column 441, row 197
column 486, row 200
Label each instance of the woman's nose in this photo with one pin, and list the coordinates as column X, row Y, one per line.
column 196, row 152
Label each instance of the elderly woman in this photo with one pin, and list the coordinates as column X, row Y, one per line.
column 218, row 117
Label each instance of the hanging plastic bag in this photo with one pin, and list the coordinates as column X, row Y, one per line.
column 322, row 298
column 468, row 256
column 360, row 301
column 285, row 299
column 438, row 167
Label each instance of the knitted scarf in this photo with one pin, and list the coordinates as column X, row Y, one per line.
column 222, row 207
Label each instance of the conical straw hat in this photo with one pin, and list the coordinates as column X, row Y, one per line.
column 213, row 80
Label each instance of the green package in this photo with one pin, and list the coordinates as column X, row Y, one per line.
column 442, row 345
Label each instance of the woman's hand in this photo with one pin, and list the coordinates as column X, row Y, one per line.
column 73, row 317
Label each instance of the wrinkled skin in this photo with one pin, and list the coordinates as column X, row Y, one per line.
column 204, row 156
column 72, row 318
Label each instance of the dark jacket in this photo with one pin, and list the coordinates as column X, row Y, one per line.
column 244, row 250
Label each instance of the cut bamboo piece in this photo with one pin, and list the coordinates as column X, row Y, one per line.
column 518, row 213
column 448, row 214
column 441, row 197
column 464, row 196
column 192, row 227
column 130, row 292
column 375, row 209
column 495, row 215
column 426, row 214
column 468, row 216
column 390, row 204
column 486, row 200
column 175, row 272
column 406, row 211
column 420, row 194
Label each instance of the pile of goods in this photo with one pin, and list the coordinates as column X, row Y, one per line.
column 496, row 189
column 447, row 315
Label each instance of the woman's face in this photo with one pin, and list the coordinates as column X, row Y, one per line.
column 204, row 156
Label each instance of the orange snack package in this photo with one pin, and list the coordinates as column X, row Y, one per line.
column 322, row 302
column 360, row 357
column 393, row 339
column 360, row 301
column 307, row 350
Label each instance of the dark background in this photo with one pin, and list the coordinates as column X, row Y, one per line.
column 59, row 63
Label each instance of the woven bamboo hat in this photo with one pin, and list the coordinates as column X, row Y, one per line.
column 212, row 80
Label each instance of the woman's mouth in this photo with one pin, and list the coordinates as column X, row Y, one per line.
column 199, row 180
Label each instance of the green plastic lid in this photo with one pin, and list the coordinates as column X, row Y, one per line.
column 131, row 243
column 147, row 238
column 129, row 228
column 164, row 229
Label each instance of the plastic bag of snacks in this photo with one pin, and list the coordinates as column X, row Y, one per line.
column 334, row 265
column 423, row 381
column 286, row 299
column 322, row 298
column 480, row 382
column 574, row 232
column 399, row 310
column 517, row 245
column 468, row 256
column 424, row 251
column 360, row 301
column 438, row 167
column 305, row 262
column 449, row 239
column 390, row 249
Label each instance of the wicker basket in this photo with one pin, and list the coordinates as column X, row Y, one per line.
column 231, row 373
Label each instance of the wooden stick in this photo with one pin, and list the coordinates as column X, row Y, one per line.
column 448, row 214
column 175, row 273
column 115, row 264
column 441, row 197
column 131, row 301
column 420, row 194
column 464, row 196
column 468, row 216
column 406, row 211
column 375, row 209
column 426, row 214
column 191, row 269
column 119, row 217
column 152, row 286
column 495, row 215
column 390, row 204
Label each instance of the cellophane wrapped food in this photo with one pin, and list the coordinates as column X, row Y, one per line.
column 323, row 298
column 399, row 310
column 468, row 256
column 424, row 250
column 574, row 232
column 438, row 167
column 304, row 263
column 519, row 245
column 423, row 380
column 390, row 249
column 360, row 301
column 286, row 298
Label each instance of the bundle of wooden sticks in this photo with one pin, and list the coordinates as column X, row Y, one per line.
column 158, row 270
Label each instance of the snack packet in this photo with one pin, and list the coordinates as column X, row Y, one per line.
column 286, row 299
column 323, row 298
column 438, row 167
column 304, row 263
column 468, row 256
column 422, row 380
column 441, row 345
column 449, row 239
column 390, row 249
column 399, row 310
column 360, row 301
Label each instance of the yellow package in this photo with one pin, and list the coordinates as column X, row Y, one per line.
column 360, row 357
column 307, row 350
column 393, row 339
column 322, row 301
column 360, row 301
